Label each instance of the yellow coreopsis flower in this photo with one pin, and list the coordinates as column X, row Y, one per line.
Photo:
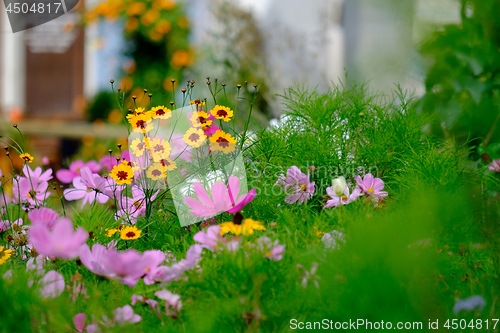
column 156, row 171
column 4, row 255
column 200, row 118
column 161, row 112
column 138, row 147
column 197, row 102
column 222, row 112
column 223, row 142
column 168, row 164
column 194, row 137
column 159, row 149
column 122, row 173
column 141, row 123
column 26, row 157
column 130, row 232
column 246, row 228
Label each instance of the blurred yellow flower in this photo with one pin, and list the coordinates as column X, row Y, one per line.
column 246, row 228
column 4, row 255
column 136, row 8
column 180, row 58
column 132, row 24
column 26, row 157
column 149, row 17
column 163, row 27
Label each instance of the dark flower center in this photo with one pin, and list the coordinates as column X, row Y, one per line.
column 158, row 148
column 160, row 112
column 122, row 175
column 222, row 113
column 130, row 234
column 203, row 120
column 223, row 142
column 140, row 124
column 141, row 146
column 156, row 173
column 194, row 137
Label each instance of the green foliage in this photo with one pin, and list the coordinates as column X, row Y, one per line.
column 462, row 83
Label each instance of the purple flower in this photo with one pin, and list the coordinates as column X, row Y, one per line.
column 371, row 186
column 109, row 162
column 85, row 188
column 37, row 175
column 135, row 206
column 172, row 301
column 52, row 285
column 297, row 184
column 129, row 266
column 93, row 260
column 272, row 250
column 224, row 198
column 126, row 315
column 66, row 176
column 344, row 199
column 44, row 216
column 137, row 298
column 495, row 166
column 210, row 238
column 4, row 225
column 333, row 239
column 469, row 304
column 60, row 242
column 79, row 321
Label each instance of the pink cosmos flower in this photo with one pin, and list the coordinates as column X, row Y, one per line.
column 52, row 285
column 29, row 192
column 126, row 315
column 210, row 238
column 4, row 225
column 495, row 166
column 371, row 186
column 297, row 184
column 176, row 271
column 60, row 242
column 85, row 188
column 129, row 266
column 345, row 199
column 37, row 175
column 272, row 250
column 109, row 162
column 66, row 176
column 224, row 198
column 45, row 160
column 44, row 216
column 79, row 321
column 93, row 260
column 134, row 207
column 172, row 301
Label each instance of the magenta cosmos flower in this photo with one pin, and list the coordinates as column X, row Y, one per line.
column 297, row 184
column 371, row 186
column 60, row 242
column 66, row 176
column 88, row 187
column 344, row 199
column 44, row 216
column 224, row 198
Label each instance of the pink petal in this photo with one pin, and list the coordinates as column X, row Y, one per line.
column 202, row 195
column 79, row 321
column 246, row 200
column 233, row 188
